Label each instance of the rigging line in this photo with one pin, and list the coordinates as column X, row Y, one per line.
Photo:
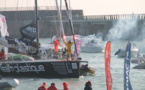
column 51, row 9
column 5, row 4
column 61, row 16
column 55, row 18
column 16, row 15
column 61, row 29
column 47, row 32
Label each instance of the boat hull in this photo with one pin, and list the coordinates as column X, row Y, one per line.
column 43, row 69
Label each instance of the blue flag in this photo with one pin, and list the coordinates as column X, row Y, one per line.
column 127, row 84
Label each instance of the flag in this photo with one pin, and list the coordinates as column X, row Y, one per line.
column 127, row 84
column 107, row 66
column 78, row 47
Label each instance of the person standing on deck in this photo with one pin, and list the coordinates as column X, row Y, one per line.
column 56, row 44
column 69, row 49
column 2, row 54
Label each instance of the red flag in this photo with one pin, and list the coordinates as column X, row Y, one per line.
column 107, row 65
column 56, row 43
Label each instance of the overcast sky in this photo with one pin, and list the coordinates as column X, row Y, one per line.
column 90, row 7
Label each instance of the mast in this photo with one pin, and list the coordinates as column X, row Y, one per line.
column 71, row 25
column 36, row 21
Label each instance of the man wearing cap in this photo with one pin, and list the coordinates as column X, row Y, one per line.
column 65, row 86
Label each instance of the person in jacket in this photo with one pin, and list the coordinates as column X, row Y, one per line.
column 52, row 87
column 56, row 44
column 88, row 86
column 65, row 86
column 2, row 54
column 43, row 87
column 69, row 49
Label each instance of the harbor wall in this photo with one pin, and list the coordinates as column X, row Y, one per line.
column 49, row 23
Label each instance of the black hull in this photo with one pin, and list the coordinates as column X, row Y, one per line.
column 42, row 69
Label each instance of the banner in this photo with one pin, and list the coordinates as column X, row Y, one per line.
column 127, row 84
column 3, row 26
column 107, row 66
column 78, row 47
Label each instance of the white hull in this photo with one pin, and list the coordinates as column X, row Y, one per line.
column 134, row 53
column 91, row 49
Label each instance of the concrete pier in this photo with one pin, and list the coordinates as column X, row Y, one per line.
column 49, row 23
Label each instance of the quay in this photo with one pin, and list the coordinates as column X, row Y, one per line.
column 48, row 23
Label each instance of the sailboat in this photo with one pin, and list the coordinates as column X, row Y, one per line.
column 42, row 68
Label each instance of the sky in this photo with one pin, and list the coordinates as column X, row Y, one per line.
column 89, row 7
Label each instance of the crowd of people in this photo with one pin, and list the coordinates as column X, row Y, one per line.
column 64, row 53
column 88, row 86
column 53, row 87
column 52, row 54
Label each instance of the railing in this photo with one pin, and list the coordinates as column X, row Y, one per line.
column 78, row 17
column 29, row 8
column 115, row 17
column 103, row 17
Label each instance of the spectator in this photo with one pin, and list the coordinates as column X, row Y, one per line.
column 65, row 86
column 43, row 87
column 88, row 86
column 52, row 87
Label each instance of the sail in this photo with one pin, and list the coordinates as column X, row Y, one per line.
column 127, row 84
column 3, row 26
column 107, row 66
column 28, row 33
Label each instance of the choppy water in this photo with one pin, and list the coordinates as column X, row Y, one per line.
column 96, row 60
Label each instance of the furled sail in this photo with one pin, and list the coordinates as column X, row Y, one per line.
column 28, row 33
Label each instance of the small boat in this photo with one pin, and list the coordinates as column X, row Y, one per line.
column 140, row 66
column 85, row 70
column 140, row 62
column 134, row 52
column 92, row 46
column 9, row 85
